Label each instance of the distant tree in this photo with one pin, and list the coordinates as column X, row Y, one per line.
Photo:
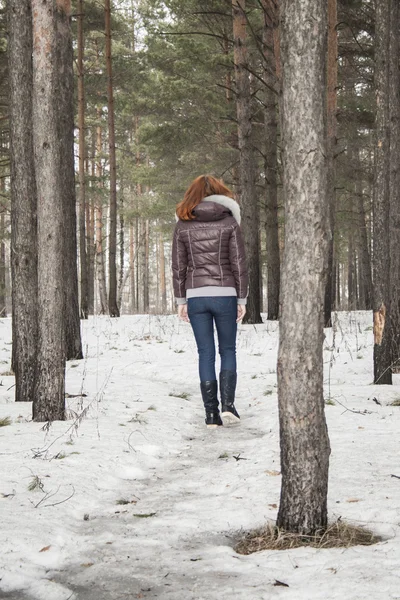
column 112, row 243
column 65, row 119
column 49, row 395
column 271, row 24
column 304, row 437
column 331, row 103
column 23, row 202
column 247, row 171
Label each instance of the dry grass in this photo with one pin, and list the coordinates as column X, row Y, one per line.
column 338, row 535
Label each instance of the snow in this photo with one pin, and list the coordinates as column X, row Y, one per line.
column 138, row 499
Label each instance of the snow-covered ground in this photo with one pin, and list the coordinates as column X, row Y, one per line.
column 135, row 498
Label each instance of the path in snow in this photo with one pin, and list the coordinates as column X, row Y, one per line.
column 190, row 490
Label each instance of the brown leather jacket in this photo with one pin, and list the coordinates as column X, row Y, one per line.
column 209, row 250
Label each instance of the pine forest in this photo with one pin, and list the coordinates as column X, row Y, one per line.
column 109, row 110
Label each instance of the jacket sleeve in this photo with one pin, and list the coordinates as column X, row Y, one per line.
column 237, row 257
column 179, row 267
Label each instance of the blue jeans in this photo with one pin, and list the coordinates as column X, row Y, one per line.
column 202, row 313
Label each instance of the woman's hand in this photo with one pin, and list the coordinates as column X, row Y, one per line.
column 241, row 311
column 183, row 313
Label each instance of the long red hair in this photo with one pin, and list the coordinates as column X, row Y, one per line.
column 201, row 187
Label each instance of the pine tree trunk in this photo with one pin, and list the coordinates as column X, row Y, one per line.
column 101, row 274
column 81, row 163
column 394, row 184
column 248, row 194
column 304, row 437
column 163, row 287
column 73, row 344
column 332, row 58
column 3, row 285
column 132, row 260
column 338, row 288
column 48, row 400
column 271, row 170
column 138, row 261
column 90, row 229
column 351, row 281
column 146, row 271
column 112, row 240
column 365, row 279
column 381, row 255
column 23, row 202
column 121, row 281
column 334, row 282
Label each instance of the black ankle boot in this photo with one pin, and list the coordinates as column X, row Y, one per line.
column 227, row 387
column 209, row 392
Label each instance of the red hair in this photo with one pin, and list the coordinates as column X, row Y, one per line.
column 201, row 187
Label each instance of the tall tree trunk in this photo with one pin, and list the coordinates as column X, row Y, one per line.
column 304, row 437
column 338, row 284
column 351, row 271
column 335, row 281
column 90, row 228
column 73, row 343
column 271, row 170
column 121, row 281
column 112, row 240
column 3, row 286
column 163, row 287
column 394, row 183
column 101, row 274
column 138, row 261
column 365, row 279
column 146, row 273
column 332, row 57
column 144, row 265
column 132, row 261
column 23, row 202
column 81, row 163
column 48, row 400
column 248, row 194
column 381, row 254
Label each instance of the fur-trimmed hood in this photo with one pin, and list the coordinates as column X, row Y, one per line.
column 205, row 214
column 228, row 203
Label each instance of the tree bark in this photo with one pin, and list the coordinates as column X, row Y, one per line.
column 101, row 274
column 48, row 400
column 304, row 438
column 332, row 57
column 365, row 279
column 23, row 202
column 351, row 259
column 132, row 259
column 146, row 271
column 81, row 165
column 271, row 171
column 381, row 254
column 90, row 229
column 248, row 195
column 65, row 115
column 112, row 241
column 121, row 282
column 163, row 286
column 3, row 286
column 394, row 184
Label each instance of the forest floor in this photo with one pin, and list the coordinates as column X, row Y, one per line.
column 133, row 497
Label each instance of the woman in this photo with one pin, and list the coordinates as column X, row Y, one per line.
column 210, row 285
